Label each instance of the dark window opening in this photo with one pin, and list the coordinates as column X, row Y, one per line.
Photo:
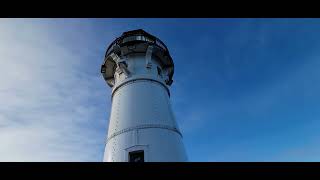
column 159, row 71
column 136, row 156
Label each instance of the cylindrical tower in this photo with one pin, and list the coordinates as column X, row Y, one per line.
column 142, row 127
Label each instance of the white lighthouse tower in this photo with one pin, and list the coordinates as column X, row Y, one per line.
column 142, row 127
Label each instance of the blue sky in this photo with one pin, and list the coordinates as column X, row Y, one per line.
column 244, row 89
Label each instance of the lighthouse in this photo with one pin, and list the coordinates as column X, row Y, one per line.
column 142, row 126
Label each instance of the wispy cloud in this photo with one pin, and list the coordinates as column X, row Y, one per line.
column 51, row 107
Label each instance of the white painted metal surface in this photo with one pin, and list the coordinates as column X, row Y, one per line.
column 141, row 116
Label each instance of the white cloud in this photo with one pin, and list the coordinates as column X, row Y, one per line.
column 52, row 103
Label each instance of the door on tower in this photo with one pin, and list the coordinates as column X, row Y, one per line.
column 136, row 156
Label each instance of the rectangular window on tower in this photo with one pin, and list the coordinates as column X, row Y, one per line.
column 159, row 71
column 136, row 156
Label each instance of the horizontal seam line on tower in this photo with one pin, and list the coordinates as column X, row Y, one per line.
column 139, row 79
column 144, row 127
